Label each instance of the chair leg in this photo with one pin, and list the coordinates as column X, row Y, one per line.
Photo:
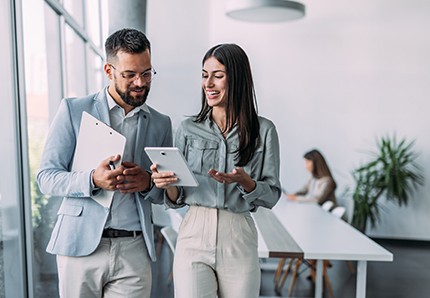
column 159, row 244
column 294, row 276
column 170, row 278
column 278, row 271
column 312, row 265
column 279, row 286
column 350, row 267
column 327, row 281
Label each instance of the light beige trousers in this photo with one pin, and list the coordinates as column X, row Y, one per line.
column 120, row 267
column 216, row 255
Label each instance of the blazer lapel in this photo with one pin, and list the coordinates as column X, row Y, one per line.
column 142, row 128
column 102, row 106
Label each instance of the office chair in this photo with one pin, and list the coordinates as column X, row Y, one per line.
column 175, row 219
column 338, row 211
column 170, row 236
column 160, row 219
column 311, row 264
column 278, row 280
column 327, row 205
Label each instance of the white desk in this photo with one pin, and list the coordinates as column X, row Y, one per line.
column 322, row 236
column 273, row 239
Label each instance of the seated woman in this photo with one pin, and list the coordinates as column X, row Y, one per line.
column 319, row 189
column 321, row 186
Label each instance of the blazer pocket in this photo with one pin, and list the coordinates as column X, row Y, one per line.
column 71, row 210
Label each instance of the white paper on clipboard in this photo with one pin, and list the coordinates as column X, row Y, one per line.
column 97, row 141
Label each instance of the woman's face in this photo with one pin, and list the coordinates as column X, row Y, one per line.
column 309, row 165
column 214, row 82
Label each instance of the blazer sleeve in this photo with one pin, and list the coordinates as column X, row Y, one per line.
column 156, row 195
column 54, row 176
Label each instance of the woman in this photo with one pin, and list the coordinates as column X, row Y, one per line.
column 321, row 186
column 234, row 154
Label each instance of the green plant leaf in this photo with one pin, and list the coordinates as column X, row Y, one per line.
column 392, row 172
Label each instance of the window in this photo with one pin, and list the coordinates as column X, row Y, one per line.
column 12, row 242
column 74, row 64
column 62, row 59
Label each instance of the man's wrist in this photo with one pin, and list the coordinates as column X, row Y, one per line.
column 94, row 188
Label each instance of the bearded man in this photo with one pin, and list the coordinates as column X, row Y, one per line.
column 107, row 251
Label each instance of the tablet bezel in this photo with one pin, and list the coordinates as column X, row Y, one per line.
column 171, row 159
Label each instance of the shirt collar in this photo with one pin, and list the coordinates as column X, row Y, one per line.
column 111, row 104
column 210, row 123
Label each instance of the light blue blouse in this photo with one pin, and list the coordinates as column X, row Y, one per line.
column 205, row 148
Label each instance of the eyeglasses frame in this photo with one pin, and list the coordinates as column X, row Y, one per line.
column 136, row 74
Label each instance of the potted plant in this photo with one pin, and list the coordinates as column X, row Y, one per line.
column 392, row 172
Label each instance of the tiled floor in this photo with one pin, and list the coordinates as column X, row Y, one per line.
column 408, row 276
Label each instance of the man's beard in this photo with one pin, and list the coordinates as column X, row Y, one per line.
column 134, row 101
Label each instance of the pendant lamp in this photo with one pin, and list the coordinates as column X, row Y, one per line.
column 265, row 10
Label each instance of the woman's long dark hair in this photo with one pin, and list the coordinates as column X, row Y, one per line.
column 320, row 167
column 241, row 104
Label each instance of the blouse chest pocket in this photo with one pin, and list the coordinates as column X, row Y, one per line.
column 202, row 155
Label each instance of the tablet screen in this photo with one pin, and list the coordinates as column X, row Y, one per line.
column 170, row 159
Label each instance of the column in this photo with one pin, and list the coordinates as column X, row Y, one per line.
column 127, row 14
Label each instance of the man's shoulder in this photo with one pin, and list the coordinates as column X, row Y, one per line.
column 158, row 114
column 87, row 98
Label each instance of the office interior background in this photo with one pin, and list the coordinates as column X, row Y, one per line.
column 337, row 79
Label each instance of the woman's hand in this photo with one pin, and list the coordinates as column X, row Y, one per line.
column 164, row 180
column 237, row 175
column 292, row 197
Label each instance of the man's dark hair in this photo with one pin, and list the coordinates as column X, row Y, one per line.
column 127, row 40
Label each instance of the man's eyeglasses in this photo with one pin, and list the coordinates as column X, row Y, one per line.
column 146, row 76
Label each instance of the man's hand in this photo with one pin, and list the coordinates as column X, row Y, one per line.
column 133, row 178
column 104, row 177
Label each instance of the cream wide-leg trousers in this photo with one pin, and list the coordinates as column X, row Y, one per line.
column 216, row 255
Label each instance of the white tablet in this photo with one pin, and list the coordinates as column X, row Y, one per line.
column 170, row 159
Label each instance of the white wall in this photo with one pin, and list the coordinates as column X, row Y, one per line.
column 349, row 72
column 178, row 39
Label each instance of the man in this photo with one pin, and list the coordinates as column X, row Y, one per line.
column 106, row 252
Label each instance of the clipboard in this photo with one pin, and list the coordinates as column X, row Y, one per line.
column 96, row 141
column 170, row 159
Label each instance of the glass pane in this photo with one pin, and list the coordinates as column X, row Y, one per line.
column 12, row 275
column 75, row 9
column 75, row 64
column 39, row 76
column 95, row 72
column 105, row 20
column 92, row 20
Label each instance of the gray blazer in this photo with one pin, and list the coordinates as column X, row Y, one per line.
column 81, row 220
